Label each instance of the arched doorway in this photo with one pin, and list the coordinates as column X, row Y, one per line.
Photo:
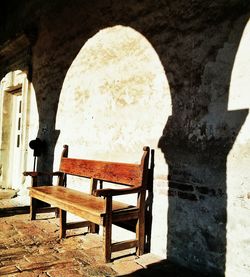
column 18, row 123
column 238, row 161
column 115, row 99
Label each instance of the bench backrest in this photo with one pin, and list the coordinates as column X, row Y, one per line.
column 114, row 172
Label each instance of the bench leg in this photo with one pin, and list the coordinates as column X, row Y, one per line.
column 33, row 206
column 107, row 242
column 93, row 228
column 57, row 213
column 107, row 230
column 140, row 235
column 62, row 219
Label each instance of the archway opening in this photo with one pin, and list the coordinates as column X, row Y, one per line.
column 115, row 99
column 238, row 160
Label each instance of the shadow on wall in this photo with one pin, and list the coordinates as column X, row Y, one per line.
column 196, row 142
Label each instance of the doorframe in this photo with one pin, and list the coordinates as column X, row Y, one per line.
column 12, row 83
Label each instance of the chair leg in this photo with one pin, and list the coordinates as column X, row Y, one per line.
column 62, row 219
column 33, row 206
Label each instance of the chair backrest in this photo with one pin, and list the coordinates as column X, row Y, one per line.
column 114, row 172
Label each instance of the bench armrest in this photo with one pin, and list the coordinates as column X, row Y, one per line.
column 36, row 173
column 114, row 192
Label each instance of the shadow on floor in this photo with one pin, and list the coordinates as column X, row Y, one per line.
column 166, row 268
column 13, row 206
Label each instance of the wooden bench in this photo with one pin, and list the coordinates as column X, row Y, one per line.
column 98, row 207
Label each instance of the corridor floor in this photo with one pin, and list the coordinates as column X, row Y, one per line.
column 32, row 248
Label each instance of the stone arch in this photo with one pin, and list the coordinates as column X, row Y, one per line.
column 238, row 176
column 115, row 99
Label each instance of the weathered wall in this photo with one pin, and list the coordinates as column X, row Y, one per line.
column 238, row 160
column 197, row 43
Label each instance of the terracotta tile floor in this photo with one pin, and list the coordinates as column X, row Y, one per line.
column 32, row 248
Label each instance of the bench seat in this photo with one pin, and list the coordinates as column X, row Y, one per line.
column 82, row 204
